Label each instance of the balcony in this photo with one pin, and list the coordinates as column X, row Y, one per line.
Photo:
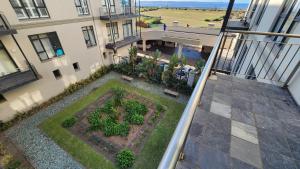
column 17, row 79
column 121, row 43
column 5, row 28
column 239, row 115
column 238, row 25
column 117, row 13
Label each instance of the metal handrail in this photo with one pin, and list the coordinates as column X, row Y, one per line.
column 264, row 33
column 177, row 141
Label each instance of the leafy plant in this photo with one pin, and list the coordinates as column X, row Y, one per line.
column 95, row 120
column 119, row 94
column 135, row 107
column 132, row 56
column 125, row 159
column 160, row 108
column 135, row 119
column 69, row 122
column 112, row 128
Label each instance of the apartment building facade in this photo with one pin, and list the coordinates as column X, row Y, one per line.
column 46, row 45
column 270, row 58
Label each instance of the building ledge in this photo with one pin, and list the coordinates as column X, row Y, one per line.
column 7, row 31
column 17, row 79
column 123, row 43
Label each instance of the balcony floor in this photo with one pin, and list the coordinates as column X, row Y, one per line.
column 242, row 124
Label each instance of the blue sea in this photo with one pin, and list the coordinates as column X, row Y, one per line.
column 190, row 4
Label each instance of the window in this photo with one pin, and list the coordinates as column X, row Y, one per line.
column 47, row 45
column 127, row 28
column 89, row 36
column 2, row 98
column 76, row 66
column 111, row 5
column 253, row 9
column 284, row 14
column 112, row 30
column 82, row 7
column 7, row 65
column 262, row 11
column 30, row 9
column 57, row 74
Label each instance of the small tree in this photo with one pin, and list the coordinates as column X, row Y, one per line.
column 132, row 56
column 168, row 75
column 199, row 65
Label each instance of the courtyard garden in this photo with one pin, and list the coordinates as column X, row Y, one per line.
column 116, row 126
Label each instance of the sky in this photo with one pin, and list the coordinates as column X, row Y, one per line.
column 237, row 1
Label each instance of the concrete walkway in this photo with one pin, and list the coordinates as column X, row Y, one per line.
column 41, row 151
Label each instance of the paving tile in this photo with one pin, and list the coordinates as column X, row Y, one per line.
column 292, row 132
column 273, row 141
column 222, row 98
column 245, row 151
column 242, row 94
column 196, row 130
column 242, row 116
column 262, row 109
column 214, row 139
column 220, row 109
column 241, row 104
column 268, row 123
column 238, row 164
column 213, row 159
column 201, row 116
column 288, row 117
column 205, row 103
column 273, row 160
column 244, row 131
column 191, row 151
column 295, row 148
column 219, row 124
column 186, row 165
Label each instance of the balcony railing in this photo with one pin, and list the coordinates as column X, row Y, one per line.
column 270, row 61
column 114, row 13
column 123, row 42
column 265, row 57
column 17, row 79
column 5, row 28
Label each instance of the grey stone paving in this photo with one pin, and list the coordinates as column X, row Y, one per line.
column 243, row 124
column 44, row 153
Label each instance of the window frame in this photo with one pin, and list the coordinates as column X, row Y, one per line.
column 87, row 29
column 23, row 8
column 82, row 6
column 125, row 23
column 110, row 27
column 261, row 11
column 9, row 56
column 42, row 45
column 59, row 76
column 77, row 65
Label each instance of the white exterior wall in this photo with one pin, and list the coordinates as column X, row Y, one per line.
column 64, row 20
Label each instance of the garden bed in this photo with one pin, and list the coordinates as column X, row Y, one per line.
column 111, row 145
column 148, row 147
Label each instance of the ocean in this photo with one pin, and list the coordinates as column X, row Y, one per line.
column 190, row 4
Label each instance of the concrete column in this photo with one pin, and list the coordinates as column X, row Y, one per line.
column 179, row 53
column 144, row 46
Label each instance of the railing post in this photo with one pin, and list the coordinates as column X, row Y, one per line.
column 227, row 15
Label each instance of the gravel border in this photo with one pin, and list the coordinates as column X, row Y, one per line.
column 41, row 151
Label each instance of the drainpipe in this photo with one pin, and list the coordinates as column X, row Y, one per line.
column 30, row 66
column 227, row 16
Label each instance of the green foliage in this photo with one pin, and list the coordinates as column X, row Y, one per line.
column 95, row 120
column 135, row 112
column 125, row 159
column 135, row 119
column 118, row 95
column 69, row 122
column 132, row 56
column 200, row 64
column 112, row 128
column 135, row 107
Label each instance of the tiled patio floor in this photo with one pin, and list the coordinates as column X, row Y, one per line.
column 242, row 124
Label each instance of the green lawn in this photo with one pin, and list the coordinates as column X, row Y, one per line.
column 153, row 149
column 195, row 18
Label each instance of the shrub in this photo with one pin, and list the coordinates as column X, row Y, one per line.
column 125, row 159
column 118, row 95
column 207, row 20
column 95, row 120
column 135, row 107
column 112, row 128
column 69, row 122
